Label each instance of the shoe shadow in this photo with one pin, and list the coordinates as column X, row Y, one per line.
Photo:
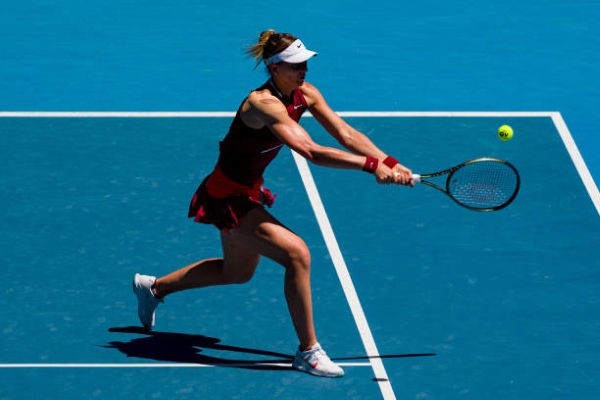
column 185, row 348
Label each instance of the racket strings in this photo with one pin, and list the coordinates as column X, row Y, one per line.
column 483, row 185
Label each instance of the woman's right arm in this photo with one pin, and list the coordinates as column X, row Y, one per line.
column 261, row 109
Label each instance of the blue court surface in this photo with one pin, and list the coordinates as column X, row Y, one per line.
column 110, row 116
column 414, row 295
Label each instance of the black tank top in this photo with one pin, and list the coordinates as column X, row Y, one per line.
column 245, row 152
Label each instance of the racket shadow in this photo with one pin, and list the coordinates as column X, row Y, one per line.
column 185, row 348
column 385, row 356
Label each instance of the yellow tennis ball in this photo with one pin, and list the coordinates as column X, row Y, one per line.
column 505, row 133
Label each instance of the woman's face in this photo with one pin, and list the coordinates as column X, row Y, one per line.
column 291, row 75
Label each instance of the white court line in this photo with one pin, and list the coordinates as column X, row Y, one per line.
column 344, row 277
column 582, row 169
column 213, row 114
column 116, row 114
column 257, row 365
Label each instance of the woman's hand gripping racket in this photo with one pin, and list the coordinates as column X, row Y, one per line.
column 483, row 184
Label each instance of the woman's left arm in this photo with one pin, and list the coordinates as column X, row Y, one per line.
column 351, row 139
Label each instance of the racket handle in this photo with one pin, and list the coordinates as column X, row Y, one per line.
column 416, row 177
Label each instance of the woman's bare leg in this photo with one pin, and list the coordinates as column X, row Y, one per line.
column 237, row 266
column 258, row 233
column 263, row 233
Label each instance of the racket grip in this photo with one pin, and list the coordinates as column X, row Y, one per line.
column 415, row 177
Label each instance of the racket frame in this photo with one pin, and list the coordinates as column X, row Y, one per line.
column 418, row 178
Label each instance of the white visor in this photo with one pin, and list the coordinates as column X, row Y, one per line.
column 295, row 53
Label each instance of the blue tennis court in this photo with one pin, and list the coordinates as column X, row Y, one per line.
column 453, row 302
column 111, row 114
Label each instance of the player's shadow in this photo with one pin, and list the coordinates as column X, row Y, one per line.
column 185, row 348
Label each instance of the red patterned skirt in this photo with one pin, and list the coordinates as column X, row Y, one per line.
column 223, row 203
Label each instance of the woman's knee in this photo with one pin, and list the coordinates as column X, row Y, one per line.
column 299, row 256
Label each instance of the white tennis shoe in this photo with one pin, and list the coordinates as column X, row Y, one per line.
column 147, row 303
column 316, row 362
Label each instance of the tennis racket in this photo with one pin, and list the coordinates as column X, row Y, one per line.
column 482, row 184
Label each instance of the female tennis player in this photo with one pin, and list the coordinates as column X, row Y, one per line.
column 233, row 198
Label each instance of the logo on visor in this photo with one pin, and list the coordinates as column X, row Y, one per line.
column 299, row 45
